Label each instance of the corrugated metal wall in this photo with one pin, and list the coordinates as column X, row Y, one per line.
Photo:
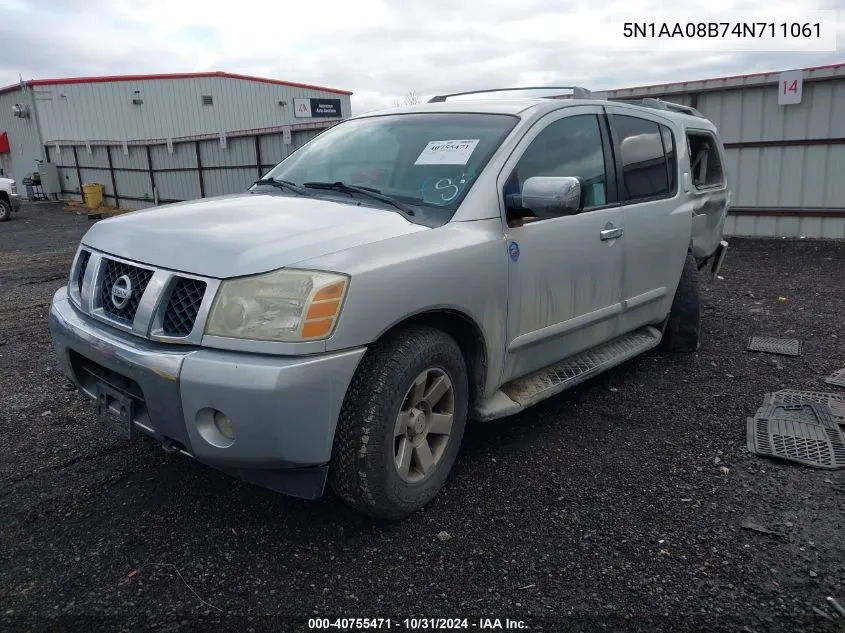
column 779, row 175
column 171, row 108
column 190, row 170
column 785, row 162
column 23, row 138
column 785, row 226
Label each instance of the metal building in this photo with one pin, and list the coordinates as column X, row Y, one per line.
column 784, row 133
column 150, row 138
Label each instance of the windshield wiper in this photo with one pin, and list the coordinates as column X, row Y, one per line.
column 283, row 184
column 375, row 194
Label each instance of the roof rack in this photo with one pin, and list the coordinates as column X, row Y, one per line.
column 659, row 104
column 577, row 92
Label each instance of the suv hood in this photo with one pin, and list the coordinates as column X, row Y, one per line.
column 244, row 234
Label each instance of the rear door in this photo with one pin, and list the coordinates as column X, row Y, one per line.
column 565, row 273
column 657, row 216
column 708, row 188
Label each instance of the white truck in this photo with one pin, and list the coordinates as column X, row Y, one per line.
column 9, row 199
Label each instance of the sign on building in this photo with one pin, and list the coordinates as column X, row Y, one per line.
column 316, row 108
column 790, row 87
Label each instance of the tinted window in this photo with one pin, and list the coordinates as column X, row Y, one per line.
column 568, row 147
column 644, row 173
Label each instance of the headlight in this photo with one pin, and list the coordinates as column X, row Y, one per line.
column 285, row 305
column 14, row 188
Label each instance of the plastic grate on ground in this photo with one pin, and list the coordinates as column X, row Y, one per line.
column 836, row 378
column 773, row 345
column 808, row 444
column 806, row 412
column 835, row 402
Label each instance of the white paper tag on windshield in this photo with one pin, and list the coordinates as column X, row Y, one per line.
column 447, row 152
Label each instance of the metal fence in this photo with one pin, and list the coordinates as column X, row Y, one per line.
column 140, row 174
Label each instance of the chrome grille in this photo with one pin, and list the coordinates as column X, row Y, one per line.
column 183, row 307
column 84, row 256
column 163, row 305
column 112, row 271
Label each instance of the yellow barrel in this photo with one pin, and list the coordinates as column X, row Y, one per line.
column 93, row 194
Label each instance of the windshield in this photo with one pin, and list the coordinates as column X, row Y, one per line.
column 429, row 160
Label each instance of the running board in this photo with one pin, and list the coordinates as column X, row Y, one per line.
column 519, row 394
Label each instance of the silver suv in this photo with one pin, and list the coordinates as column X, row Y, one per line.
column 402, row 272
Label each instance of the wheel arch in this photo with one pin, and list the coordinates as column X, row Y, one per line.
column 464, row 330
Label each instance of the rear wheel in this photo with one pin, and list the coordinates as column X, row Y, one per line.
column 401, row 424
column 5, row 210
column 683, row 327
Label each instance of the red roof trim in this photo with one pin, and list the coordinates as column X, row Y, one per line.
column 697, row 81
column 113, row 78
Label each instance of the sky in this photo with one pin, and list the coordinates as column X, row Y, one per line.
column 378, row 49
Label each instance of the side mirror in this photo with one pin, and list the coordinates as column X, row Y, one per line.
column 548, row 197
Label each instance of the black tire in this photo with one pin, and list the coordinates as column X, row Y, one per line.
column 362, row 470
column 5, row 210
column 683, row 328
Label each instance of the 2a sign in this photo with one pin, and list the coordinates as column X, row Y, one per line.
column 316, row 108
column 790, row 87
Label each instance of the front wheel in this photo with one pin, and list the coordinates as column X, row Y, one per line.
column 5, row 210
column 401, row 424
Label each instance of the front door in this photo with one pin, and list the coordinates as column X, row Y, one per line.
column 657, row 219
column 565, row 273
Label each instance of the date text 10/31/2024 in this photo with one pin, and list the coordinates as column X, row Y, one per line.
column 417, row 624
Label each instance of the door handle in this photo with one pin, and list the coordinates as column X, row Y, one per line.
column 611, row 234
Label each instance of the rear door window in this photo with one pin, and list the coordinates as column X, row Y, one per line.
column 645, row 158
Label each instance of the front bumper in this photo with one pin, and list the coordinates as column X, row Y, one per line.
column 15, row 199
column 284, row 409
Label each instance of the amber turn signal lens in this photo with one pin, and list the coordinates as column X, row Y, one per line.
column 322, row 310
column 334, row 291
column 316, row 328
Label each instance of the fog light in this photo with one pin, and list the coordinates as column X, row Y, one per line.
column 226, row 428
column 215, row 427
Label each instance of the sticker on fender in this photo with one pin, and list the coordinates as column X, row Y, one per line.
column 447, row 152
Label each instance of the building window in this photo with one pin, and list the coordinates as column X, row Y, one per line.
column 207, row 100
column 704, row 161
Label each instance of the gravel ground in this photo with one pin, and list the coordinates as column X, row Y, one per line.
column 606, row 508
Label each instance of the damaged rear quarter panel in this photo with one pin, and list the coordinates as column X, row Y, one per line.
column 710, row 209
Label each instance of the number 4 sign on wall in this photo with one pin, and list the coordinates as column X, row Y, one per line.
column 790, row 87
